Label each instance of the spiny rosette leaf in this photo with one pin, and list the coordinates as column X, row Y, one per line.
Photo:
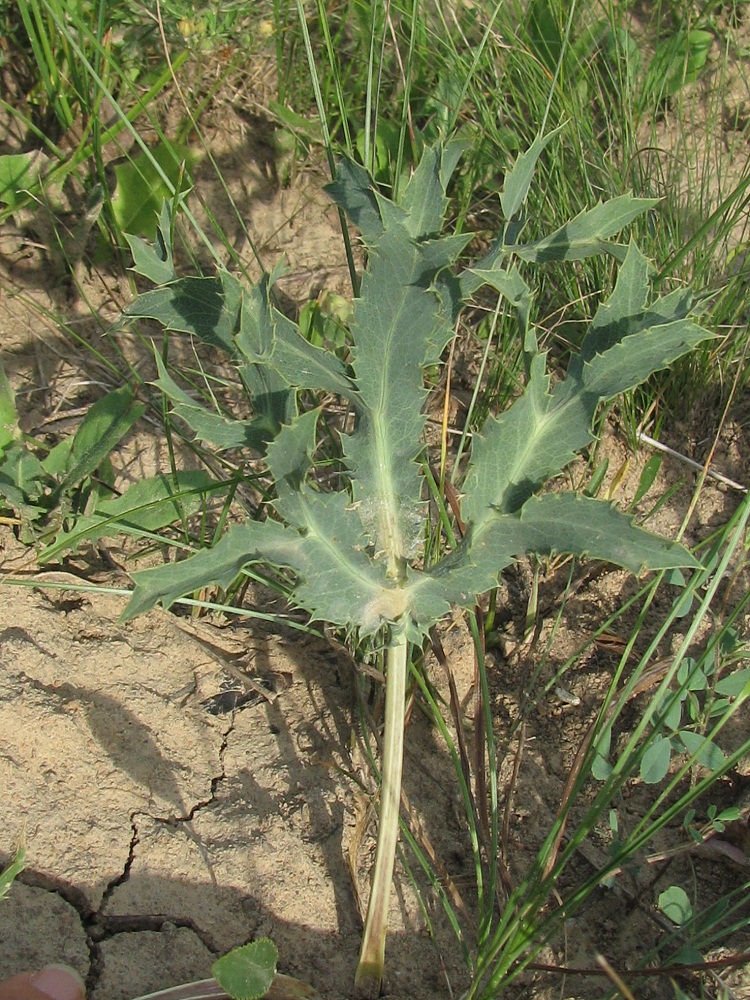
column 588, row 234
column 532, row 441
column 400, row 326
column 628, row 340
column 402, row 322
column 322, row 541
column 271, row 354
column 354, row 551
column 336, row 582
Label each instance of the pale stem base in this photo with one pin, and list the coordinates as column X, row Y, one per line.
column 372, row 954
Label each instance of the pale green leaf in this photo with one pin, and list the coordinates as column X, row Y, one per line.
column 9, row 430
column 733, row 684
column 647, row 479
column 525, row 446
column 353, row 192
column 553, row 523
column 194, row 305
column 672, row 712
column 252, row 347
column 460, row 577
column 704, row 751
column 289, row 458
column 510, row 284
column 540, row 434
column 470, row 279
column 253, row 541
column 244, row 324
column 565, row 522
column 154, row 260
column 335, row 583
column 56, row 461
column 324, row 544
column 299, row 362
column 274, row 357
column 677, row 60
column 675, row 904
column 612, row 319
column 519, row 177
column 640, row 354
column 11, row 871
column 19, row 172
column 452, row 150
column 627, row 341
column 587, row 234
column 22, row 479
column 424, row 196
column 103, row 427
column 655, row 760
column 145, row 180
column 214, row 428
column 400, row 326
column 272, row 354
column 600, row 766
column 688, row 954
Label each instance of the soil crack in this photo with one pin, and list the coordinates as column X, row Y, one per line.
column 95, row 924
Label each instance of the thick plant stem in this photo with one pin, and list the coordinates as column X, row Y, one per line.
column 372, row 953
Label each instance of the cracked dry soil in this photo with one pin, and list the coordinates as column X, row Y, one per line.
column 161, row 834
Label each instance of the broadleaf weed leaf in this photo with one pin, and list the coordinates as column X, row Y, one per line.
column 147, row 505
column 203, row 307
column 14, row 868
column 105, row 424
column 247, row 972
column 627, row 340
column 9, row 429
column 213, row 428
column 587, row 235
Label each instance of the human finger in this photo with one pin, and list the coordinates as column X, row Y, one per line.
column 58, row 982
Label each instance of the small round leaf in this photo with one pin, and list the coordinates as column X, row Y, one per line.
column 246, row 973
column 675, row 905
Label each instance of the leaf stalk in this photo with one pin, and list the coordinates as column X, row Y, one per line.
column 372, row 953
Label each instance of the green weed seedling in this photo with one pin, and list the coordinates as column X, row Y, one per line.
column 13, row 869
column 64, row 495
column 357, row 551
column 245, row 973
column 44, row 485
column 705, row 689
